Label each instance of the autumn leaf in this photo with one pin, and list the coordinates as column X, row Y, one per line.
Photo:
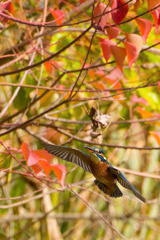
column 133, row 47
column 144, row 114
column 152, row 3
column 156, row 18
column 119, row 54
column 121, row 9
column 139, row 100
column 131, row 51
column 39, row 160
column 105, row 45
column 58, row 16
column 49, row 66
column 60, row 172
column 112, row 32
column 100, row 9
column 145, row 27
column 6, row 6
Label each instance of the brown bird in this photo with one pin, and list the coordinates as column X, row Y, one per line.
column 96, row 163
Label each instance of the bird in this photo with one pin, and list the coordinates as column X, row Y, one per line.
column 96, row 163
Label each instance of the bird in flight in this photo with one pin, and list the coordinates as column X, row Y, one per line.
column 106, row 175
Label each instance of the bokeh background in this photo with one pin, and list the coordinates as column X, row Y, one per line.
column 51, row 77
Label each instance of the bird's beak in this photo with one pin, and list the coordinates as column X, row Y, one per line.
column 89, row 149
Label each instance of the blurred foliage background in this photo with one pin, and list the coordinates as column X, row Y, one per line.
column 48, row 87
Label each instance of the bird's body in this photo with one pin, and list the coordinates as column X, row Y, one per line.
column 101, row 173
column 105, row 180
column 96, row 163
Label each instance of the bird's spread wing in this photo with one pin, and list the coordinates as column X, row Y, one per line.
column 125, row 183
column 69, row 154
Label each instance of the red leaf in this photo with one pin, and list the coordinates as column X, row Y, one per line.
column 6, row 6
column 58, row 16
column 131, row 52
column 25, row 151
column 38, row 170
column 132, row 46
column 112, row 32
column 45, row 166
column 120, row 11
column 105, row 45
column 152, row 3
column 139, row 100
column 40, row 159
column 43, row 154
column 101, row 8
column 32, row 159
column 11, row 8
column 156, row 18
column 49, row 66
column 145, row 27
column 60, row 172
column 135, row 39
column 119, row 54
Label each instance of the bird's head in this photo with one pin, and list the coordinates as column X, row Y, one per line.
column 97, row 152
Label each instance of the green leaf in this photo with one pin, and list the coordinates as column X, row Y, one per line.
column 22, row 99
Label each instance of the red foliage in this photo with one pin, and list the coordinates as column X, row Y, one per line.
column 58, row 16
column 6, row 6
column 102, row 8
column 120, row 11
column 145, row 27
column 40, row 160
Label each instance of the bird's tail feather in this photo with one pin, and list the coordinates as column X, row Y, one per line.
column 100, row 185
column 117, row 192
column 108, row 190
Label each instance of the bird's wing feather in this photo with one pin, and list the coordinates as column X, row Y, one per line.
column 125, row 183
column 69, row 154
